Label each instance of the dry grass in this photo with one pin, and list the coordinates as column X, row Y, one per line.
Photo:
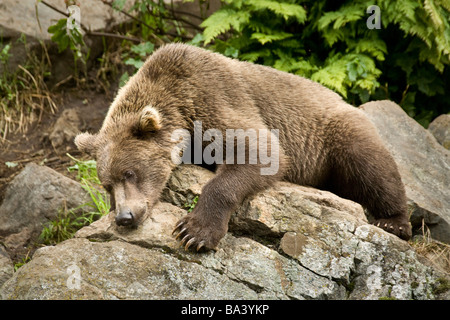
column 24, row 95
column 438, row 253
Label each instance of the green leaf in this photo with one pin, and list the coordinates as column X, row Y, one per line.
column 119, row 4
column 143, row 49
column 231, row 52
column 60, row 36
column 62, row 40
column 352, row 71
column 60, row 25
column 197, row 40
column 134, row 62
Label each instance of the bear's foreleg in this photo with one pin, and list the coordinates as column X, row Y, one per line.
column 207, row 224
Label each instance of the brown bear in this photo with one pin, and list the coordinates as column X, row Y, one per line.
column 315, row 138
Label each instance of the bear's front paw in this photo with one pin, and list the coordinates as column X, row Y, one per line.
column 397, row 225
column 197, row 232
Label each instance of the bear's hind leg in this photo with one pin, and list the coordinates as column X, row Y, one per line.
column 365, row 172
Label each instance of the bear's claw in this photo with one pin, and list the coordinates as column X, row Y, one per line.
column 191, row 235
column 187, row 239
column 395, row 225
column 200, row 245
column 180, row 233
column 189, row 243
column 177, row 227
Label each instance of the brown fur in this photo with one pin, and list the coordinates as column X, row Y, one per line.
column 324, row 142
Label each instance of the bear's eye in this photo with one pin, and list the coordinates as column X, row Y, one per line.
column 108, row 188
column 129, row 174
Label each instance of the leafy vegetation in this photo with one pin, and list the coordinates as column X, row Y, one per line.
column 191, row 204
column 64, row 226
column 22, row 262
column 406, row 60
column 70, row 221
column 71, row 38
column 153, row 24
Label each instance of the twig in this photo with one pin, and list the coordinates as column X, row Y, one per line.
column 55, row 8
column 187, row 14
column 193, row 25
column 113, row 35
column 176, row 19
column 130, row 16
column 137, row 20
column 104, row 34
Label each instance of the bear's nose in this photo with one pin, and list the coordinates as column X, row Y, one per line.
column 125, row 217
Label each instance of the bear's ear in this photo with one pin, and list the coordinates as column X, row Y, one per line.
column 86, row 142
column 150, row 120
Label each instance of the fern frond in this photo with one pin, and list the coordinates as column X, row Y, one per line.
column 407, row 8
column 290, row 64
column 259, row 26
column 433, row 14
column 332, row 36
column 327, row 19
column 353, row 70
column 374, row 47
column 444, row 4
column 255, row 55
column 340, row 18
column 222, row 21
column 267, row 38
column 286, row 10
column 332, row 77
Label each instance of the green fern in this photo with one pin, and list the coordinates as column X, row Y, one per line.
column 286, row 10
column 265, row 38
column 222, row 21
column 329, row 42
column 338, row 19
column 371, row 46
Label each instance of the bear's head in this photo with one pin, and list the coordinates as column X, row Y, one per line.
column 133, row 161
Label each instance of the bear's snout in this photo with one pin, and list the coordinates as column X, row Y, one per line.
column 125, row 217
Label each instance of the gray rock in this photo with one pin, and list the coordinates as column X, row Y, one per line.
column 154, row 232
column 185, row 183
column 6, row 266
column 423, row 163
column 440, row 128
column 20, row 16
column 331, row 237
column 262, row 269
column 80, row 269
column 66, row 127
column 286, row 207
column 289, row 242
column 35, row 196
